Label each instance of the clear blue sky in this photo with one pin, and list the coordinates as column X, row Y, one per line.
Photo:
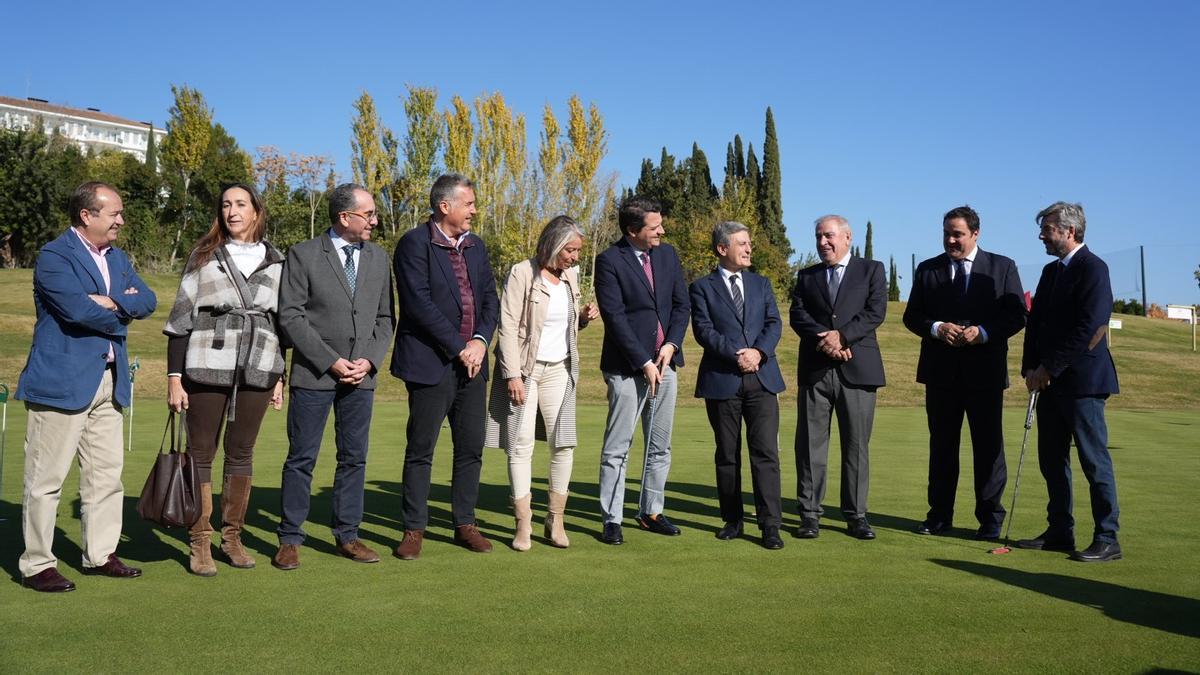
column 892, row 112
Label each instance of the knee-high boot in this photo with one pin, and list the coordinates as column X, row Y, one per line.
column 235, row 496
column 200, row 561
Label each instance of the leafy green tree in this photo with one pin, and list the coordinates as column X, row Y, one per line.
column 30, row 190
column 370, row 160
column 459, row 133
column 189, row 133
column 422, row 142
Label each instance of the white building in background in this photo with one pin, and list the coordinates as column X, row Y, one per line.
column 91, row 129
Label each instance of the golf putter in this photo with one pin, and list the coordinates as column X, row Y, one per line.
column 1012, row 510
column 3, row 433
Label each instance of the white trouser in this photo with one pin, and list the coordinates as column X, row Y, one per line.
column 547, row 385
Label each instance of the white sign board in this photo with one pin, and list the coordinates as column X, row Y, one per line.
column 1182, row 312
column 1114, row 324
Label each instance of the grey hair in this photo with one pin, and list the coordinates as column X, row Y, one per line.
column 554, row 238
column 343, row 198
column 722, row 232
column 842, row 223
column 444, row 187
column 1065, row 215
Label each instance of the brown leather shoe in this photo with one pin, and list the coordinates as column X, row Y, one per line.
column 48, row 581
column 469, row 537
column 410, row 547
column 114, row 568
column 358, row 551
column 287, row 557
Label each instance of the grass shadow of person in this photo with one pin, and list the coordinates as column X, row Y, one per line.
column 1161, row 611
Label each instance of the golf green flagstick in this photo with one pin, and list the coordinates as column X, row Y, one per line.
column 1012, row 510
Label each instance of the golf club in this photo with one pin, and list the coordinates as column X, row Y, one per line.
column 1012, row 510
column 3, row 433
column 133, row 368
column 649, row 433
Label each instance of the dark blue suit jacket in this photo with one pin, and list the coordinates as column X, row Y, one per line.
column 631, row 313
column 430, row 306
column 860, row 308
column 1070, row 309
column 994, row 301
column 72, row 333
column 721, row 332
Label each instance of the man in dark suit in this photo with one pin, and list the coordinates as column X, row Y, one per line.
column 836, row 306
column 736, row 321
column 448, row 313
column 336, row 311
column 1066, row 358
column 75, row 384
column 644, row 304
column 965, row 304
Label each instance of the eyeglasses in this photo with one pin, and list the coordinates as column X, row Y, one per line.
column 368, row 216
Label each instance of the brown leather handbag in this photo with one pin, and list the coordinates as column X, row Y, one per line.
column 169, row 496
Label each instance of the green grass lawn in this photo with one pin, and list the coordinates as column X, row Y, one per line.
column 900, row 603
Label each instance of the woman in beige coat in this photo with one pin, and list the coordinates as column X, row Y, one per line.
column 537, row 368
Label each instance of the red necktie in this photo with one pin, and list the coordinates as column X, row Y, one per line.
column 658, row 338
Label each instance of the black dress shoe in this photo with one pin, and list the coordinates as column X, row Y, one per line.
column 48, row 581
column 988, row 533
column 730, row 531
column 1099, row 551
column 859, row 528
column 771, row 539
column 114, row 568
column 658, row 525
column 934, row 527
column 612, row 534
column 1049, row 541
column 810, row 528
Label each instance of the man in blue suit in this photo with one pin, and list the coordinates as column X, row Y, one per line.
column 447, row 316
column 644, row 304
column 76, row 383
column 836, row 306
column 736, row 321
column 1066, row 358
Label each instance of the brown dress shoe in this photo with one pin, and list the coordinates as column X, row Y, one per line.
column 410, row 547
column 287, row 557
column 114, row 568
column 358, row 551
column 48, row 581
column 469, row 537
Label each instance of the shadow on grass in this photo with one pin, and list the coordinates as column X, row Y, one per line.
column 1161, row 611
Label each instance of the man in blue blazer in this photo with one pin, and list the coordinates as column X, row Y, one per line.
column 644, row 304
column 75, row 384
column 448, row 313
column 1066, row 358
column 965, row 304
column 836, row 306
column 736, row 321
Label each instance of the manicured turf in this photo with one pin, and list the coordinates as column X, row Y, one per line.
column 900, row 603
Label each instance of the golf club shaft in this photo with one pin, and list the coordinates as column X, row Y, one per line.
column 1029, row 414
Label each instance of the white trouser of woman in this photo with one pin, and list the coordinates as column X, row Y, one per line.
column 547, row 385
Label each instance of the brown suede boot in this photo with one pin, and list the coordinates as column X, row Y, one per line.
column 200, row 561
column 524, row 527
column 554, row 520
column 235, row 496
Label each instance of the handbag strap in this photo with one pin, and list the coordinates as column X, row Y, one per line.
column 174, row 430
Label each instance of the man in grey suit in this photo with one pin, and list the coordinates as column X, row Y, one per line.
column 336, row 311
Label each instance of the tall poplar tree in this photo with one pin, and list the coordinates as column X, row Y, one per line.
column 422, row 142
column 770, row 194
column 459, row 133
column 372, row 161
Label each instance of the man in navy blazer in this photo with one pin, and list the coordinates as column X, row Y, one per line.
column 1066, row 358
column 836, row 306
column 965, row 304
column 736, row 321
column 75, row 384
column 644, row 304
column 448, row 313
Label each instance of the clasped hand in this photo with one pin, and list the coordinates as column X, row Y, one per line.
column 959, row 336
column 472, row 356
column 832, row 345
column 350, row 372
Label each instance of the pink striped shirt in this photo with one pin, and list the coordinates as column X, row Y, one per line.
column 99, row 256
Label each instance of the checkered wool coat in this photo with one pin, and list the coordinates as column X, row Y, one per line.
column 230, row 321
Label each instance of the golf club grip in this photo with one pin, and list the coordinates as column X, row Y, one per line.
column 1033, row 397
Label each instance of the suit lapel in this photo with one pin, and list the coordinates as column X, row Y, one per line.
column 85, row 258
column 337, row 263
column 630, row 255
column 722, row 290
column 442, row 258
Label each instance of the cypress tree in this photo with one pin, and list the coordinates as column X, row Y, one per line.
column 869, row 251
column 151, row 152
column 770, row 193
column 893, row 280
column 738, row 156
column 752, row 174
column 700, row 188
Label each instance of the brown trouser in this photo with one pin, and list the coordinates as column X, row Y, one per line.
column 206, row 416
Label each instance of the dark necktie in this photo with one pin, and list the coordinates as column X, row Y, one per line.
column 960, row 277
column 351, row 273
column 659, row 337
column 739, row 302
column 834, row 282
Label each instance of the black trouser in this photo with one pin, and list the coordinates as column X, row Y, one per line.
column 760, row 409
column 205, row 418
column 463, row 400
column 984, row 408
